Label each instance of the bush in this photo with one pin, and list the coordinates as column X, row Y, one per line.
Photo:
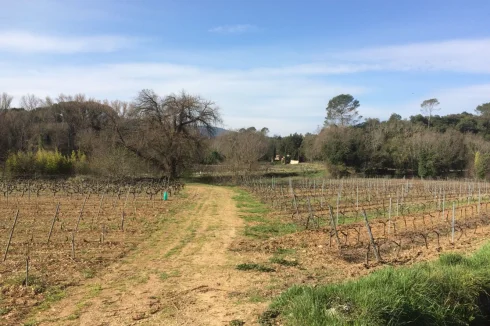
column 45, row 163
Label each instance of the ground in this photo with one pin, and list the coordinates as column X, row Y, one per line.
column 219, row 258
column 183, row 275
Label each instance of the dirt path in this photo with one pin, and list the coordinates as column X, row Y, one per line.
column 183, row 275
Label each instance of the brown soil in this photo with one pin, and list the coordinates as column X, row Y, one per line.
column 183, row 275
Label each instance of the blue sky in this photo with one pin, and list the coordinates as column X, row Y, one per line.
column 266, row 63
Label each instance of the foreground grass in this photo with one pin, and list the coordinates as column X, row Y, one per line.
column 453, row 290
column 259, row 225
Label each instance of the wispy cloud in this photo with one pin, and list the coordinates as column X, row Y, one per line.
column 285, row 102
column 28, row 42
column 465, row 55
column 233, row 29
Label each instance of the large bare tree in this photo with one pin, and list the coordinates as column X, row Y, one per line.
column 168, row 131
column 5, row 101
column 30, row 102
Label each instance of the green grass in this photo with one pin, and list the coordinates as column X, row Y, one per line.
column 284, row 262
column 95, row 290
column 259, row 225
column 254, row 267
column 5, row 310
column 88, row 273
column 184, row 241
column 51, row 295
column 164, row 275
column 453, row 290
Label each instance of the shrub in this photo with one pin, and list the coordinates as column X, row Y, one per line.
column 45, row 163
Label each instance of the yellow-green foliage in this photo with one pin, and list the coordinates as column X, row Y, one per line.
column 481, row 165
column 45, row 162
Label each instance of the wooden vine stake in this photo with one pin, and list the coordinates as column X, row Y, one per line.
column 334, row 227
column 10, row 237
column 81, row 213
column 98, row 211
column 123, row 210
column 452, row 224
column 371, row 238
column 27, row 270
column 73, row 245
column 54, row 220
column 389, row 218
column 28, row 258
column 310, row 214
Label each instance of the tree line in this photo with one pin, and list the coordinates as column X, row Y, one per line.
column 151, row 133
column 172, row 134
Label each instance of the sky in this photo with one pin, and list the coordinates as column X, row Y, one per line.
column 265, row 63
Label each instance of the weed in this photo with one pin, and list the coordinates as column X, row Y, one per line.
column 95, row 290
column 164, row 275
column 256, row 267
column 256, row 298
column 267, row 318
column 237, row 322
column 285, row 251
column 5, row 310
column 284, row 262
column 88, row 273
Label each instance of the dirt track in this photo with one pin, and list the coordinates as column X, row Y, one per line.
column 183, row 275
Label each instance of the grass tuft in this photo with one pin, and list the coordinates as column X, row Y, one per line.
column 453, row 290
column 259, row 225
column 284, row 262
column 254, row 267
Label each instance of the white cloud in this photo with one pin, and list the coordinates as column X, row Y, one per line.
column 27, row 42
column 453, row 100
column 286, row 98
column 233, row 29
column 284, row 102
column 459, row 99
column 454, row 55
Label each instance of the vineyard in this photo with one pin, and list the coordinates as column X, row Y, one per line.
column 381, row 220
column 54, row 233
column 57, row 234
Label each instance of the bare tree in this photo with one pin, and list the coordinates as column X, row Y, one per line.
column 81, row 98
column 48, row 101
column 30, row 102
column 242, row 149
column 168, row 131
column 429, row 106
column 5, row 101
column 64, row 98
column 122, row 108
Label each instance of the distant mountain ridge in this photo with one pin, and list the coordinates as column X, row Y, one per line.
column 217, row 131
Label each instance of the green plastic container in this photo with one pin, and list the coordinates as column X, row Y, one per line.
column 165, row 195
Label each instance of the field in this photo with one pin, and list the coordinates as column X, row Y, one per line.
column 56, row 233
column 215, row 255
column 381, row 218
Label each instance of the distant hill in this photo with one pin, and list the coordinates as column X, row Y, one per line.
column 217, row 131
